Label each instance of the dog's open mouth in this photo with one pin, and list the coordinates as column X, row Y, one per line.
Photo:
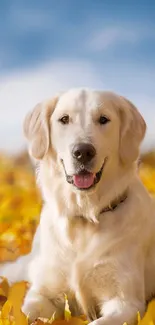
column 84, row 180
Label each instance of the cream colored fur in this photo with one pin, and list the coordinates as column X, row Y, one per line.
column 105, row 262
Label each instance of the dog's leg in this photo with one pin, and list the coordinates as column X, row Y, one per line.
column 118, row 312
column 36, row 305
column 46, row 294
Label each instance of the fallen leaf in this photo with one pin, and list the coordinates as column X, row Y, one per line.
column 15, row 298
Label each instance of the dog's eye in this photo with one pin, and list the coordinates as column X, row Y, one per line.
column 64, row 119
column 103, row 119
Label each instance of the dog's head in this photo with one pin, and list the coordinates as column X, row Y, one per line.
column 85, row 132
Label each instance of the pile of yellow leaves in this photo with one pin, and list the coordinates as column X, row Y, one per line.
column 20, row 204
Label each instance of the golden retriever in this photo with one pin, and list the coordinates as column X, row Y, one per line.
column 97, row 229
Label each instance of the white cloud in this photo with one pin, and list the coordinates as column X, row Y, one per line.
column 111, row 36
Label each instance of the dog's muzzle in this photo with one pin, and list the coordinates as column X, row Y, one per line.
column 84, row 179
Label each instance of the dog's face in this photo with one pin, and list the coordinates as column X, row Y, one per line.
column 85, row 134
column 87, row 131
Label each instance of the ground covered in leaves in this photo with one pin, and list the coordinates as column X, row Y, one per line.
column 20, row 205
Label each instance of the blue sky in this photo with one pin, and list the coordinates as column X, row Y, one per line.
column 47, row 45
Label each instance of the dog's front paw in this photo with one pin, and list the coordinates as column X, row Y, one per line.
column 36, row 305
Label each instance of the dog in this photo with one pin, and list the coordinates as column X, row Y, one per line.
column 97, row 228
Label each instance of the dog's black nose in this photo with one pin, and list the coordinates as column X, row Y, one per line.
column 84, row 152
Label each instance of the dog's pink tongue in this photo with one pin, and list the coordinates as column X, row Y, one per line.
column 84, row 181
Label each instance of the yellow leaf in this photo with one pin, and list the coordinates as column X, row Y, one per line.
column 149, row 317
column 138, row 318
column 6, row 309
column 15, row 297
column 4, row 287
column 67, row 312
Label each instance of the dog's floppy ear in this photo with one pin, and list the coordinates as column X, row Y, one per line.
column 36, row 128
column 133, row 128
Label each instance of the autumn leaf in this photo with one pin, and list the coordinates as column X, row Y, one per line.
column 15, row 298
column 149, row 317
column 67, row 312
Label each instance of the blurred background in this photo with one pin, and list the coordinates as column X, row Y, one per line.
column 52, row 45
